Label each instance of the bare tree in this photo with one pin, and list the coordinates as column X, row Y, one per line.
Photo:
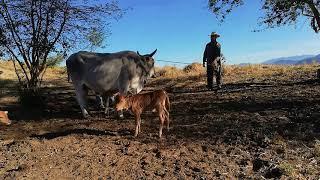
column 33, row 30
column 96, row 38
column 276, row 12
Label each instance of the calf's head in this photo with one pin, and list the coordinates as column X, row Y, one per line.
column 121, row 103
column 4, row 118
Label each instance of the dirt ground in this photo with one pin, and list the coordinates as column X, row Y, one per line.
column 250, row 129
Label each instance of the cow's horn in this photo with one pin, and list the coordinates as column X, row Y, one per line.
column 138, row 53
column 153, row 53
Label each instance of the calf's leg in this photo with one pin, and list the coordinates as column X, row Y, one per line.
column 138, row 123
column 167, row 119
column 162, row 119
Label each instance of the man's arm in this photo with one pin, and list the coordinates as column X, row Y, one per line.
column 204, row 57
column 219, row 53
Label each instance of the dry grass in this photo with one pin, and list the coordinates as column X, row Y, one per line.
column 7, row 70
column 232, row 73
column 194, row 69
column 287, row 168
column 169, row 71
column 52, row 73
column 235, row 73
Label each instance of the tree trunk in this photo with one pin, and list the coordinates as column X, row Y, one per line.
column 316, row 14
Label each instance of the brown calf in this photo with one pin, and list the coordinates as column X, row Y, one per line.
column 157, row 100
column 4, row 118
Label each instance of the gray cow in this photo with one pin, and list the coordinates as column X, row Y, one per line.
column 108, row 73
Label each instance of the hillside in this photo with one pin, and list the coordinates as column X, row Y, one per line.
column 303, row 59
column 290, row 59
column 315, row 59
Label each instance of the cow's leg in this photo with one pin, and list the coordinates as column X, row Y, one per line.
column 81, row 93
column 99, row 100
column 109, row 103
column 107, row 108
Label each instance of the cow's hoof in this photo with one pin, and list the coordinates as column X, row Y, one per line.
column 121, row 116
column 86, row 116
column 130, row 112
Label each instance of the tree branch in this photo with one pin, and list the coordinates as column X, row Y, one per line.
column 316, row 13
column 13, row 30
column 20, row 63
column 65, row 15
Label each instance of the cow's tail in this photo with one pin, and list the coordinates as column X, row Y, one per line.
column 68, row 76
column 68, row 71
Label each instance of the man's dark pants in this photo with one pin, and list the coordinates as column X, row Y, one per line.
column 213, row 71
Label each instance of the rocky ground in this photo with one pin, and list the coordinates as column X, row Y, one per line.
column 251, row 129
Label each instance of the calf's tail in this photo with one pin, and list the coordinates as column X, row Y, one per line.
column 167, row 103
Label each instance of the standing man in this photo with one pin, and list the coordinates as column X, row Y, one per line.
column 211, row 56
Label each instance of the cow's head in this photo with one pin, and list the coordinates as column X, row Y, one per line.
column 149, row 63
column 4, row 118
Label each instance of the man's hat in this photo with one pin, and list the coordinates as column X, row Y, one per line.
column 214, row 34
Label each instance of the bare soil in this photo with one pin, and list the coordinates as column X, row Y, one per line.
column 250, row 129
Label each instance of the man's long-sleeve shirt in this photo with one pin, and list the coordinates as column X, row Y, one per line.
column 212, row 51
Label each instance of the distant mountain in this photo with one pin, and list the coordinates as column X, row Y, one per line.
column 288, row 60
column 310, row 60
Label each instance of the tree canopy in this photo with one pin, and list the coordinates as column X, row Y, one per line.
column 33, row 30
column 276, row 12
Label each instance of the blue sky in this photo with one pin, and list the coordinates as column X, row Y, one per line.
column 179, row 29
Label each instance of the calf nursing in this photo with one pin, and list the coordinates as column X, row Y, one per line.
column 4, row 118
column 157, row 100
